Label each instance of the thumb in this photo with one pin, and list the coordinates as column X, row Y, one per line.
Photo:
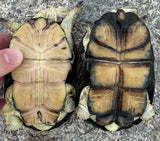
column 9, row 59
column 2, row 102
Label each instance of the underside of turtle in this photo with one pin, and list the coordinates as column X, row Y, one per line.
column 117, row 68
column 41, row 95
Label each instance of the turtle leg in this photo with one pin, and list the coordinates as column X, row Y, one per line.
column 41, row 126
column 54, row 14
column 82, row 111
column 68, row 22
column 149, row 111
column 12, row 117
column 112, row 127
column 128, row 9
column 69, row 104
column 86, row 38
column 12, row 26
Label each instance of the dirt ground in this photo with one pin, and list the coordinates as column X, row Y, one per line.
column 76, row 129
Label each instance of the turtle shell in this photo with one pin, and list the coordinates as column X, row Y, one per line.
column 119, row 69
column 39, row 82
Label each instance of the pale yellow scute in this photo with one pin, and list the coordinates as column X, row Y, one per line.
column 41, row 41
column 46, row 98
column 42, row 71
column 31, row 117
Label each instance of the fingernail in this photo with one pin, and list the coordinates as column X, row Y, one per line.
column 13, row 56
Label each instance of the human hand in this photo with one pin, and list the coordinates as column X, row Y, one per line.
column 10, row 58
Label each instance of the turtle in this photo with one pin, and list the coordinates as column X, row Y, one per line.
column 115, row 75
column 42, row 93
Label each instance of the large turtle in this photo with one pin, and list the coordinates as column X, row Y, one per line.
column 116, row 72
column 41, row 94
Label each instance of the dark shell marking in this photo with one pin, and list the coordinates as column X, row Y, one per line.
column 119, row 69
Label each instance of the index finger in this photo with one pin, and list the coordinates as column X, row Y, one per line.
column 5, row 40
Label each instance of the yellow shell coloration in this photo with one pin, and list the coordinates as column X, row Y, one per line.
column 39, row 83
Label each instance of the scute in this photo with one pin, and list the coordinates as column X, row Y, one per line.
column 41, row 40
column 100, row 101
column 135, row 36
column 106, row 35
column 98, row 69
column 133, row 101
column 42, row 70
column 129, row 77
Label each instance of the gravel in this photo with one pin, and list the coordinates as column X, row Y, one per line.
column 76, row 129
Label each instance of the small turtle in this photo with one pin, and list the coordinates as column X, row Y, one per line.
column 116, row 72
column 41, row 95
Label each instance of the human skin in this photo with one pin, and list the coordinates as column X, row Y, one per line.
column 10, row 58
